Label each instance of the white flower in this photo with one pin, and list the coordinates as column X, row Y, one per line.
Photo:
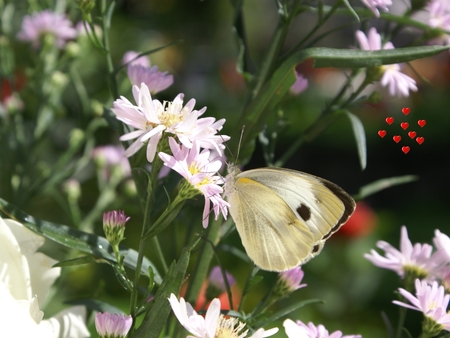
column 442, row 243
column 399, row 84
column 25, row 279
column 213, row 325
column 300, row 330
column 151, row 118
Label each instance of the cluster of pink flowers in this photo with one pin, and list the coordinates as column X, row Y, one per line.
column 439, row 11
column 191, row 141
column 431, row 269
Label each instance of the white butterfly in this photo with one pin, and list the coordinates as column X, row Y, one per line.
column 284, row 216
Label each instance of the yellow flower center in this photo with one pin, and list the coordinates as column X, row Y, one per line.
column 171, row 114
column 230, row 328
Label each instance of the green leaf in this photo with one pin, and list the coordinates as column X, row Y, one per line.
column 156, row 318
column 351, row 10
column 382, row 184
column 360, row 137
column 256, row 113
column 79, row 261
column 76, row 239
column 285, row 311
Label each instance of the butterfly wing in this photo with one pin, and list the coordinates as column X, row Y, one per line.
column 273, row 236
column 320, row 204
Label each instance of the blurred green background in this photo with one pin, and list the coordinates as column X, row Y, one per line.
column 355, row 293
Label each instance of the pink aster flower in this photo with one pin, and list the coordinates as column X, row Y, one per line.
column 151, row 118
column 292, row 278
column 213, row 324
column 373, row 5
column 399, row 84
column 200, row 172
column 300, row 84
column 131, row 56
column 417, row 258
column 112, row 325
column 46, row 22
column 429, row 299
column 155, row 80
column 300, row 330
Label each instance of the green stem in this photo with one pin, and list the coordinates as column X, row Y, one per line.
column 275, row 47
column 109, row 63
column 205, row 256
column 160, row 254
column 142, row 245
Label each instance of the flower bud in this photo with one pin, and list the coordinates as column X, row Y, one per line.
column 112, row 325
column 114, row 226
column 289, row 281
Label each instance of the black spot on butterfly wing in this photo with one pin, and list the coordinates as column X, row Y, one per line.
column 304, row 212
column 315, row 249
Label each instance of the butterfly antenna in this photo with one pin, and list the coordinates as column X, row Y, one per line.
column 240, row 141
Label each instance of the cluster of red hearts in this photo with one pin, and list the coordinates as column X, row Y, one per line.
column 404, row 125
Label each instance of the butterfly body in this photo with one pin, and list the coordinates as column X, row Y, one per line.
column 284, row 216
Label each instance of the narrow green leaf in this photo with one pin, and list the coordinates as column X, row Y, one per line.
column 166, row 218
column 76, row 239
column 360, row 137
column 285, row 311
column 156, row 318
column 78, row 261
column 255, row 115
column 382, row 184
column 352, row 11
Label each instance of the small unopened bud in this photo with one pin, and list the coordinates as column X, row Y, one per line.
column 216, row 284
column 86, row 6
column 112, row 325
column 72, row 188
column 73, row 49
column 114, row 226
column 289, row 281
column 76, row 136
column 97, row 108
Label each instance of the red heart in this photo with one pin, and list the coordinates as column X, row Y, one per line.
column 420, row 140
column 389, row 120
column 405, row 149
column 406, row 111
column 412, row 134
column 421, row 123
column 397, row 138
column 404, row 125
column 382, row 133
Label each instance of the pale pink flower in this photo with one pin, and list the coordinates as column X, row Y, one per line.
column 151, row 118
column 155, row 80
column 300, row 330
column 399, row 84
column 439, row 14
column 130, row 58
column 213, row 324
column 431, row 300
column 109, row 325
column 418, row 257
column 216, row 279
column 300, row 84
column 442, row 243
column 373, row 5
column 200, row 172
column 46, row 22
